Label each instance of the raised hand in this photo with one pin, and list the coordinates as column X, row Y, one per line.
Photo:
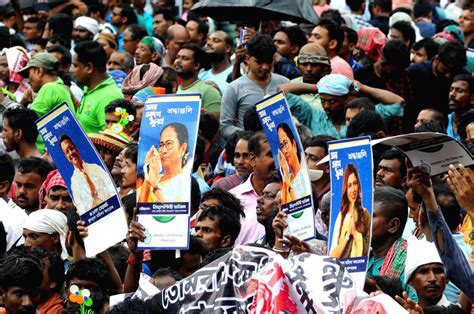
column 279, row 223
column 408, row 304
column 284, row 167
column 136, row 232
column 461, row 182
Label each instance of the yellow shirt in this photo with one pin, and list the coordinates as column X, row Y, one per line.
column 466, row 230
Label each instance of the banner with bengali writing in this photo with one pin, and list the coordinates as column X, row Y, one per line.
column 87, row 178
column 350, row 224
column 289, row 157
column 168, row 134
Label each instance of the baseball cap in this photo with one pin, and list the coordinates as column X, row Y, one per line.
column 40, row 60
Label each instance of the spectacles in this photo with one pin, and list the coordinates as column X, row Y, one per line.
column 168, row 144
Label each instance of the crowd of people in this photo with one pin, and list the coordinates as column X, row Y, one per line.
column 383, row 68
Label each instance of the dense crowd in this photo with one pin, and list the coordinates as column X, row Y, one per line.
column 383, row 68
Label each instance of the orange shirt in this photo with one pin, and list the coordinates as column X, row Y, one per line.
column 53, row 305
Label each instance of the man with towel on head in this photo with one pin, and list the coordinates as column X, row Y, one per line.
column 335, row 91
column 46, row 229
column 53, row 193
column 85, row 28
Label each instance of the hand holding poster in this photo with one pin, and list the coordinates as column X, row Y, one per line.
column 165, row 160
column 351, row 204
column 88, row 180
column 296, row 193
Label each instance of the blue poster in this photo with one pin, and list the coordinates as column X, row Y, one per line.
column 351, row 204
column 288, row 153
column 87, row 178
column 168, row 136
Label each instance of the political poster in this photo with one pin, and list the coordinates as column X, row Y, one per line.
column 166, row 146
column 289, row 157
column 434, row 152
column 350, row 162
column 88, row 181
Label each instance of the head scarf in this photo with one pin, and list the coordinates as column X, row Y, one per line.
column 155, row 44
column 313, row 53
column 444, row 37
column 419, row 253
column 49, row 221
column 371, row 41
column 54, row 178
column 91, row 25
column 334, row 84
column 456, row 32
column 402, row 16
column 133, row 83
column 109, row 37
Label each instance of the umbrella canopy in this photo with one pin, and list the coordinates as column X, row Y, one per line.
column 297, row 11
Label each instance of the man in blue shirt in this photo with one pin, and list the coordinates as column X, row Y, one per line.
column 460, row 101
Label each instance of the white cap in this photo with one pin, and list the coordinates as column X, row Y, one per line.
column 88, row 23
column 419, row 253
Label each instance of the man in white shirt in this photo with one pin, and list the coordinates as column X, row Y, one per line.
column 90, row 184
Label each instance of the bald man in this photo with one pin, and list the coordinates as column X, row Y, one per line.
column 218, row 48
column 177, row 36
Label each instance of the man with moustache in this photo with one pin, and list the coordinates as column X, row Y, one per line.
column 461, row 99
column 261, row 159
column 425, row 273
column 189, row 61
column 28, row 179
column 392, row 170
column 218, row 48
column 241, row 163
column 267, row 209
column 90, row 184
column 85, row 28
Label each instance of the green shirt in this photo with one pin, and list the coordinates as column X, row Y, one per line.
column 91, row 112
column 211, row 99
column 49, row 96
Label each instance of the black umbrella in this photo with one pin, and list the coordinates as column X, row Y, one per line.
column 297, row 11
